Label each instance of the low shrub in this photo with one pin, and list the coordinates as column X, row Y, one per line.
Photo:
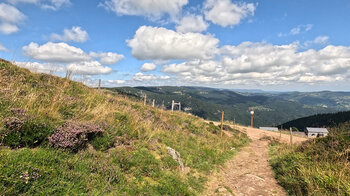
column 74, row 136
column 103, row 142
column 23, row 130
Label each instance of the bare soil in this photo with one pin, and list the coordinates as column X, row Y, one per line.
column 250, row 173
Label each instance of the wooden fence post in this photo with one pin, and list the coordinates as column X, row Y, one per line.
column 222, row 121
column 144, row 99
column 291, row 135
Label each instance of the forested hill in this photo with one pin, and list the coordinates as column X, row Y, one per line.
column 319, row 120
column 271, row 109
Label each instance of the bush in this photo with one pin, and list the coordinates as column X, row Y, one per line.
column 103, row 142
column 74, row 136
column 24, row 131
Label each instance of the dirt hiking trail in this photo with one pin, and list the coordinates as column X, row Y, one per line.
column 249, row 172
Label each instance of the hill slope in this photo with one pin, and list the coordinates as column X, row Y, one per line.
column 61, row 137
column 271, row 109
column 319, row 166
column 319, row 120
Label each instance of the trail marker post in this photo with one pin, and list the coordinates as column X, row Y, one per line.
column 144, row 99
column 153, row 103
column 251, row 117
column 99, row 84
column 291, row 135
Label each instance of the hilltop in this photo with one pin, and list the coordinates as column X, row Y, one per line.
column 271, row 109
column 61, row 137
column 319, row 120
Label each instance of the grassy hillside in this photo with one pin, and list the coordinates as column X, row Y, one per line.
column 319, row 166
column 319, row 120
column 271, row 109
column 61, row 137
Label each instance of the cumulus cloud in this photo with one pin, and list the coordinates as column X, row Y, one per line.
column 266, row 64
column 142, row 77
column 192, row 23
column 75, row 34
column 3, row 48
column 107, row 58
column 48, row 68
column 88, row 68
column 10, row 18
column 73, row 59
column 225, row 13
column 153, row 43
column 55, row 52
column 149, row 8
column 148, row 67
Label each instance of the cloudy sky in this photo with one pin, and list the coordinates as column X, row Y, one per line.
column 270, row 45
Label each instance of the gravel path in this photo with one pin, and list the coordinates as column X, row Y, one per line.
column 249, row 173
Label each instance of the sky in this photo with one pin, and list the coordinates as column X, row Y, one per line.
column 280, row 45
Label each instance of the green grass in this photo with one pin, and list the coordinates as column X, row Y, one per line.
column 130, row 157
column 317, row 167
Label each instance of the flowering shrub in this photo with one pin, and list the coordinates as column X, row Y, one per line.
column 13, row 124
column 22, row 130
column 74, row 136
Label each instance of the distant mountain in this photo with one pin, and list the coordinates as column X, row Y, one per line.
column 319, row 120
column 271, row 109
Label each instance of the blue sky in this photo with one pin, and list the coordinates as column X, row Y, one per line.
column 271, row 45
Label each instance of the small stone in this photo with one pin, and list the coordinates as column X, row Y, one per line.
column 222, row 189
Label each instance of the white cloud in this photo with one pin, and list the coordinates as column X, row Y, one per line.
column 23, row 1
column 153, row 9
column 48, row 68
column 297, row 30
column 7, row 28
column 300, row 29
column 162, row 44
column 88, row 68
column 10, row 17
column 142, row 77
column 266, row 64
column 225, row 13
column 148, row 67
column 320, row 40
column 70, row 57
column 3, row 48
column 107, row 58
column 192, row 23
column 76, row 34
column 79, row 68
column 44, row 4
column 111, row 82
column 54, row 4
column 55, row 52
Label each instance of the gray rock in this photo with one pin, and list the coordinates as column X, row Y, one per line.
column 176, row 157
